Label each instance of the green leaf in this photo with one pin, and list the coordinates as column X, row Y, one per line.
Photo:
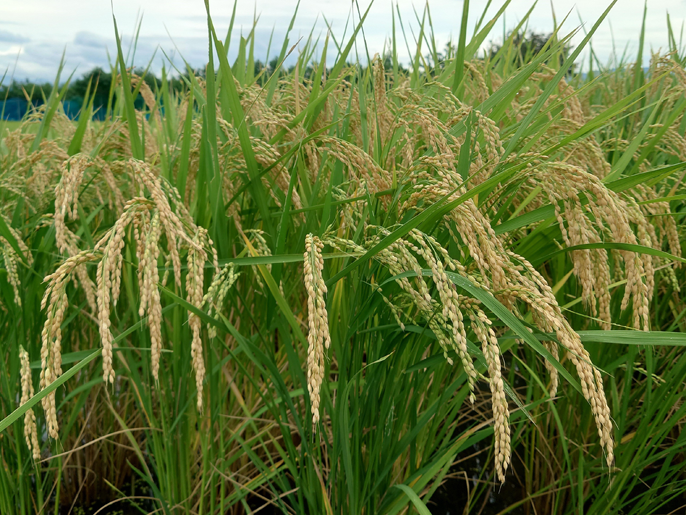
column 506, row 316
column 416, row 501
column 84, row 118
column 648, row 338
column 459, row 57
column 280, row 301
column 648, row 178
column 19, row 412
column 14, row 416
column 231, row 106
column 640, row 249
column 51, row 106
column 132, row 121
column 537, row 215
column 543, row 97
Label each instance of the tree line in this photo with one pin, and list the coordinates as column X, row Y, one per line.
column 16, row 96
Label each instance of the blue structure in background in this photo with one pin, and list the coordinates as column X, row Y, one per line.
column 16, row 108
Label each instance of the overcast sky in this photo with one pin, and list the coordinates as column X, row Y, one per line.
column 33, row 33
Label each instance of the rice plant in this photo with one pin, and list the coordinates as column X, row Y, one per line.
column 350, row 288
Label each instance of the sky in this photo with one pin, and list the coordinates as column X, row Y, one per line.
column 34, row 33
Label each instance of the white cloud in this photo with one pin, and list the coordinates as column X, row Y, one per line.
column 12, row 51
column 45, row 27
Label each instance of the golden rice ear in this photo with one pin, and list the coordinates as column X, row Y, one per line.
column 145, row 91
column 318, row 336
column 379, row 83
column 30, row 429
column 261, row 248
column 107, row 279
column 55, row 303
column 384, row 117
column 149, row 292
column 149, row 218
column 194, row 287
column 604, row 215
column 538, row 294
column 66, row 201
column 451, row 309
column 511, row 282
column 222, row 281
column 9, row 258
column 477, row 86
column 481, row 326
column 360, row 164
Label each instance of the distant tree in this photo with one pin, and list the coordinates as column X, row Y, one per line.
column 528, row 45
column 15, row 89
column 100, row 84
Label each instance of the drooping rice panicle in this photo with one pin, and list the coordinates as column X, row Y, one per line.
column 318, row 337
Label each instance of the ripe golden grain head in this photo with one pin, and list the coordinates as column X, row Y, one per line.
column 318, row 337
column 30, row 429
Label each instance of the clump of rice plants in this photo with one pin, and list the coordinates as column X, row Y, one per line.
column 331, row 288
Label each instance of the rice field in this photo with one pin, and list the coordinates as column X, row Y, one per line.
column 350, row 286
